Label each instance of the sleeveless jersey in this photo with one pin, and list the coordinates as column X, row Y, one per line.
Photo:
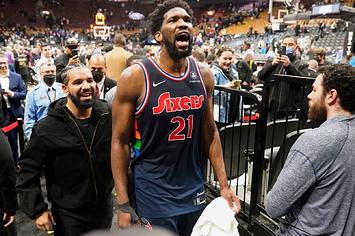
column 167, row 167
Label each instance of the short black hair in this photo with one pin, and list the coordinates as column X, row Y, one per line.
column 157, row 16
column 69, row 67
column 340, row 77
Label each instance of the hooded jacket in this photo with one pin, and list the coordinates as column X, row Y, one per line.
column 77, row 175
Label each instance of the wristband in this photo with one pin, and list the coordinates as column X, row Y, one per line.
column 126, row 208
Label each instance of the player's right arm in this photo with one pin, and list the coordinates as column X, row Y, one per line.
column 131, row 86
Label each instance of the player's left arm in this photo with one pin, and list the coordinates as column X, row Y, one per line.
column 212, row 143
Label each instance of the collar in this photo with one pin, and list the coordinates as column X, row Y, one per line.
column 5, row 76
column 44, row 85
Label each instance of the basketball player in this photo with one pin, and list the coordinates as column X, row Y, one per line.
column 166, row 101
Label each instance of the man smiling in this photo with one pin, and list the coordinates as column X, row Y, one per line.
column 73, row 143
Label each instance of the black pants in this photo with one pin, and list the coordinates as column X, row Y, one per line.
column 12, row 135
column 79, row 221
column 182, row 225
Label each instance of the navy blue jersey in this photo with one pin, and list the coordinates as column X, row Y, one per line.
column 167, row 167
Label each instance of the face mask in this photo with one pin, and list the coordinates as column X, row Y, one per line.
column 290, row 52
column 49, row 79
column 97, row 75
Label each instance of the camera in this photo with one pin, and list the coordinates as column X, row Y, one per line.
column 74, row 52
column 281, row 50
column 2, row 91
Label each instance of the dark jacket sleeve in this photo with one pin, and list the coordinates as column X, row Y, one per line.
column 7, row 177
column 28, row 184
column 59, row 65
column 297, row 68
column 20, row 94
column 267, row 70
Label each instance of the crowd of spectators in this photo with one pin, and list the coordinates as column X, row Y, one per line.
column 253, row 58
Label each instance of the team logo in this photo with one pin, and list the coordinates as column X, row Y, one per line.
column 194, row 78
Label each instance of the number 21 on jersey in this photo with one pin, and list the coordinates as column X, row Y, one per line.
column 179, row 133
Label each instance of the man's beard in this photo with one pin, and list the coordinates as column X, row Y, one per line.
column 87, row 103
column 174, row 52
column 317, row 113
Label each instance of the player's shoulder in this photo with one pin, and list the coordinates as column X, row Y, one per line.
column 206, row 74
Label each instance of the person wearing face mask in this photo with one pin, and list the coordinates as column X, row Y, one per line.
column 97, row 65
column 225, row 75
column 40, row 96
column 288, row 100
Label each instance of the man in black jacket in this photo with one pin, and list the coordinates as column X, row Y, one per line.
column 73, row 143
column 8, row 199
column 288, row 99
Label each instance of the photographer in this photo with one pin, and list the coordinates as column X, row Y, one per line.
column 70, row 56
column 286, row 61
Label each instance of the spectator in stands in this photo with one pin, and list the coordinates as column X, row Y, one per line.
column 8, row 196
column 134, row 59
column 313, row 68
column 10, row 58
column 246, row 48
column 97, row 65
column 46, row 56
column 199, row 55
column 22, row 63
column 39, row 97
column 70, row 56
column 116, row 59
column 315, row 189
column 72, row 143
column 13, row 92
column 244, row 71
column 288, row 99
column 210, row 59
column 225, row 75
column 319, row 56
column 297, row 29
column 352, row 60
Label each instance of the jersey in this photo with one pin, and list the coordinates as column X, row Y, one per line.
column 167, row 169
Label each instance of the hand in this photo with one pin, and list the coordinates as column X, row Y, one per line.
column 8, row 219
column 9, row 93
column 123, row 220
column 45, row 221
column 232, row 199
column 73, row 60
column 229, row 85
column 285, row 60
column 126, row 215
column 276, row 60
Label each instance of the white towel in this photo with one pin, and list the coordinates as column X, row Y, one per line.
column 216, row 220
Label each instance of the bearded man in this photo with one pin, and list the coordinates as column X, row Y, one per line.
column 73, row 144
column 316, row 188
column 167, row 101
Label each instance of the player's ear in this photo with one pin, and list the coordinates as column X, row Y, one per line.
column 158, row 36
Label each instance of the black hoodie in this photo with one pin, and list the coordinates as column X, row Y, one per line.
column 77, row 176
